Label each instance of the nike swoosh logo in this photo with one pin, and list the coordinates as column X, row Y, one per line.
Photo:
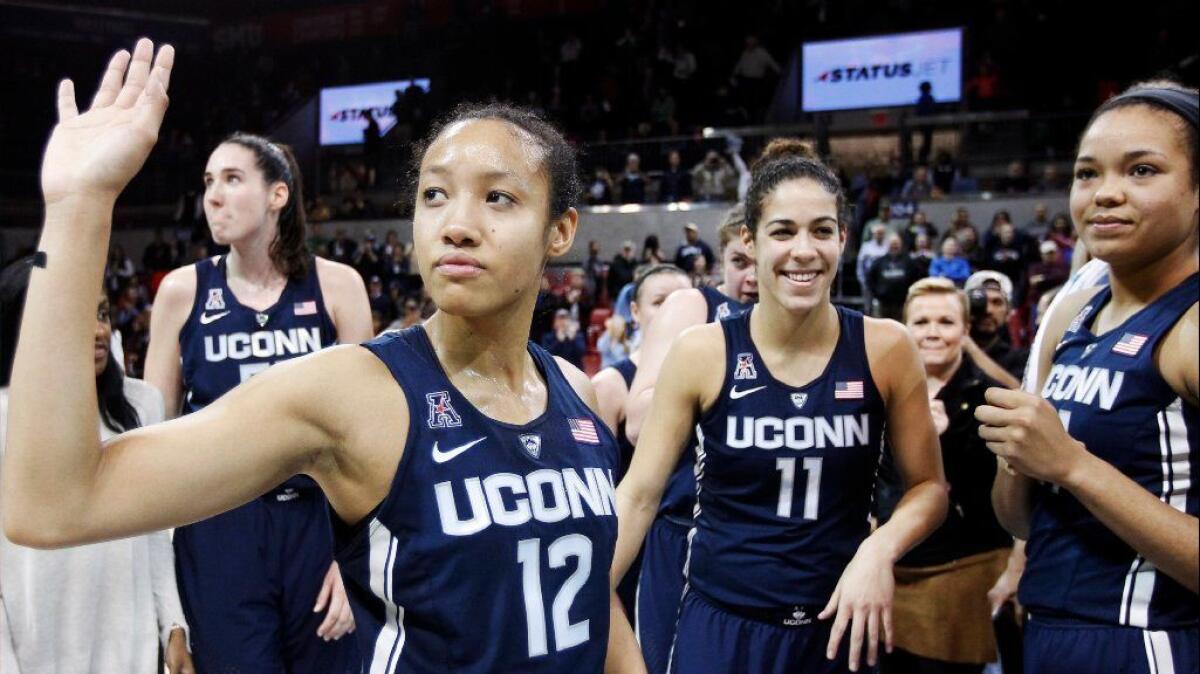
column 205, row 319
column 734, row 393
column 443, row 457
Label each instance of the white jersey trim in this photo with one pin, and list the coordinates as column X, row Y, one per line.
column 1159, row 658
column 1094, row 273
column 389, row 643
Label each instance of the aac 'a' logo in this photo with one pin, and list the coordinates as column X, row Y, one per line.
column 441, row 412
column 745, row 367
column 723, row 311
column 216, row 300
column 532, row 444
column 798, row 399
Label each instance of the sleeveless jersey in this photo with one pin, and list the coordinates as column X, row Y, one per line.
column 627, row 369
column 679, row 496
column 491, row 550
column 1112, row 398
column 224, row 343
column 785, row 475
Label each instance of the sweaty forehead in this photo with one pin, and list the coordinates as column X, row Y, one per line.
column 486, row 145
column 1130, row 128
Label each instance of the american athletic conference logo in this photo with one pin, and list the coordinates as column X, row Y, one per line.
column 745, row 367
column 441, row 412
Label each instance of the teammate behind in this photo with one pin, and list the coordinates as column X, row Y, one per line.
column 1100, row 463
column 250, row 577
column 790, row 432
column 466, row 473
column 660, row 578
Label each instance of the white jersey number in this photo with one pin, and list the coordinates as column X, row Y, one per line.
column 529, row 556
column 787, row 481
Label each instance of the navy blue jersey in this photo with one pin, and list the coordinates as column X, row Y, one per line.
column 491, row 550
column 1112, row 398
column 224, row 343
column 679, row 496
column 785, row 474
column 627, row 369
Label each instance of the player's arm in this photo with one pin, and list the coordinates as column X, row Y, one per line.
column 862, row 600
column 1027, row 432
column 1012, row 492
column 682, row 392
column 610, row 396
column 680, row 311
column 346, row 298
column 623, row 656
column 172, row 306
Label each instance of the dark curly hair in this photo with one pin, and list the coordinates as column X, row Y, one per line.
column 559, row 162
column 789, row 159
column 289, row 251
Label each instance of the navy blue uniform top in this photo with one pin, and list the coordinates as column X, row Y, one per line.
column 679, row 496
column 1112, row 398
column 224, row 343
column 627, row 369
column 491, row 550
column 785, row 475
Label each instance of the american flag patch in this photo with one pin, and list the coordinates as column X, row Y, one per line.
column 848, row 390
column 1130, row 344
column 583, row 430
column 305, row 308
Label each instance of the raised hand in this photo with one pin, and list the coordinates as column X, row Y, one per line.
column 98, row 152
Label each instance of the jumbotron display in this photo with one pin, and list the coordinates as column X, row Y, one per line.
column 882, row 71
column 343, row 109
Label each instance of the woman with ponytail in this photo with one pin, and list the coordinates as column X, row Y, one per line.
column 784, row 574
column 250, row 578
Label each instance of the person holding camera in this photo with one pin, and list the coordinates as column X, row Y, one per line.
column 990, row 296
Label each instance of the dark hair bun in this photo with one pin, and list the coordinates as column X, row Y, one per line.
column 781, row 148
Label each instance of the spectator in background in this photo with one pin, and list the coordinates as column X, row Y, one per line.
column 925, row 107
column 613, row 344
column 918, row 224
column 919, row 187
column 159, row 256
column 372, row 144
column 1007, row 255
column 883, row 219
column 395, row 268
column 564, row 339
column 600, row 189
column 367, row 260
column 922, row 254
column 121, row 265
column 594, row 270
column 676, row 183
column 1039, row 224
column 621, row 270
column 964, row 182
column 990, row 294
column 944, row 172
column 1062, row 233
column 691, row 248
column 342, row 248
column 872, row 249
column 319, row 211
column 969, row 248
column 379, row 301
column 632, row 185
column 713, row 179
column 1049, row 272
column 951, row 264
column 961, row 220
column 754, row 75
column 889, row 278
column 1052, row 180
column 941, row 607
column 1015, row 180
column 652, row 251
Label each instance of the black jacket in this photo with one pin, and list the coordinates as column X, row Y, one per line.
column 971, row 526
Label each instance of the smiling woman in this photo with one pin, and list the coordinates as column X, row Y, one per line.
column 424, row 531
column 1102, row 479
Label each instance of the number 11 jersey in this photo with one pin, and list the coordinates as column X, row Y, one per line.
column 491, row 550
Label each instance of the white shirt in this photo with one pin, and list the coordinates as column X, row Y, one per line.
column 94, row 609
column 1094, row 273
